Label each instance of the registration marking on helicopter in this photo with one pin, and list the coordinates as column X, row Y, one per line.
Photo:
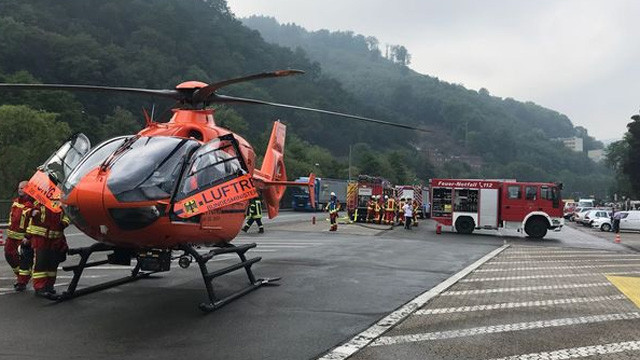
column 230, row 192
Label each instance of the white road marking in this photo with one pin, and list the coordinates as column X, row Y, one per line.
column 76, row 234
column 557, row 268
column 366, row 337
column 533, row 261
column 514, row 305
column 525, row 288
column 551, row 276
column 58, row 277
column 440, row 335
column 532, row 258
column 578, row 352
column 280, row 243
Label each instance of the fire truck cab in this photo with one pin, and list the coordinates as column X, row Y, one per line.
column 469, row 204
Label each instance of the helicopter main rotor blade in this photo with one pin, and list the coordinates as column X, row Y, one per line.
column 232, row 99
column 173, row 94
column 203, row 94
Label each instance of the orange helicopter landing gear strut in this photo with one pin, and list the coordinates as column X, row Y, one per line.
column 214, row 302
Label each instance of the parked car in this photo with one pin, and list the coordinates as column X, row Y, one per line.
column 579, row 213
column 591, row 215
column 604, row 224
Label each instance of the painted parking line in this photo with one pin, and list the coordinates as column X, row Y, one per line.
column 367, row 336
column 551, row 276
column 533, row 261
column 579, row 352
column 532, row 258
column 557, row 268
column 541, row 253
column 524, row 288
column 542, row 324
column 514, row 305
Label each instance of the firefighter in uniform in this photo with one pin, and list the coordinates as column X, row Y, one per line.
column 333, row 207
column 18, row 254
column 390, row 210
column 371, row 205
column 254, row 213
column 401, row 211
column 376, row 210
column 45, row 233
column 415, row 212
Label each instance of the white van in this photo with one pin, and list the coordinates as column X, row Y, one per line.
column 586, row 203
column 630, row 220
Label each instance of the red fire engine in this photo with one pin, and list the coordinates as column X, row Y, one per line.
column 359, row 193
column 469, row 204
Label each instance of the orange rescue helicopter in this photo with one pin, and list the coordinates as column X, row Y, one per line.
column 168, row 188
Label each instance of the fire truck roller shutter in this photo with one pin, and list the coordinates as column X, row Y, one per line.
column 536, row 224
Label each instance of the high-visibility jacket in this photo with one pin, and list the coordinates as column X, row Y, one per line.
column 391, row 204
column 19, row 217
column 47, row 224
column 333, row 207
column 371, row 205
column 254, row 211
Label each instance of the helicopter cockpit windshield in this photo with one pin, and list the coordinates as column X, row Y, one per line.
column 149, row 168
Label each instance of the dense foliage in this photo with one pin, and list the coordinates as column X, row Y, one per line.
column 513, row 139
column 160, row 43
column 624, row 158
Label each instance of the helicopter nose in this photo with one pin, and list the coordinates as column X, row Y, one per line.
column 84, row 206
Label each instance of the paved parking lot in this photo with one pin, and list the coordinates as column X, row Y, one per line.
column 529, row 302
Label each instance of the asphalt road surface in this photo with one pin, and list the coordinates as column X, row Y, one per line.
column 334, row 285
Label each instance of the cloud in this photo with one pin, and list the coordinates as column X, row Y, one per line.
column 578, row 57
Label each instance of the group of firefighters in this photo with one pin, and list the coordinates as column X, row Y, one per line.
column 35, row 243
column 391, row 212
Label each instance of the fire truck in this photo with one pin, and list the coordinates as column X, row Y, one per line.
column 417, row 193
column 359, row 192
column 469, row 204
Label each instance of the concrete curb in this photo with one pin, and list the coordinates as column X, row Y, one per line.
column 364, row 338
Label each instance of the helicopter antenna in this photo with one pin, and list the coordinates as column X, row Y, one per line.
column 153, row 110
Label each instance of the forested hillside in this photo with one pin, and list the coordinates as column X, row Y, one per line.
column 513, row 138
column 160, row 43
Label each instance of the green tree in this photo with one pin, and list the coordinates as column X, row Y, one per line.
column 27, row 138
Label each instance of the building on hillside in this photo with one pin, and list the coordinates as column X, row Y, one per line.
column 574, row 143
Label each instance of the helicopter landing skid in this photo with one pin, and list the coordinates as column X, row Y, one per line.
column 202, row 259
column 85, row 253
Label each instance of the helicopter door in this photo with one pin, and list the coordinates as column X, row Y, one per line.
column 44, row 185
column 215, row 176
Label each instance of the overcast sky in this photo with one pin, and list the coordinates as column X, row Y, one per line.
column 579, row 57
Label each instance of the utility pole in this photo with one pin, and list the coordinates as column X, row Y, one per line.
column 349, row 162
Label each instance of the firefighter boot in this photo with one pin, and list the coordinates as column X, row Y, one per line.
column 19, row 287
column 261, row 230
column 245, row 228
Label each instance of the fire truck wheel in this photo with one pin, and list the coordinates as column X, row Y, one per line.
column 536, row 228
column 465, row 225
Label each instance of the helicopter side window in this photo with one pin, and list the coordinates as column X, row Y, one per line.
column 62, row 162
column 215, row 162
column 149, row 168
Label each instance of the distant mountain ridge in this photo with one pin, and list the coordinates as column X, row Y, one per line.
column 514, row 139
